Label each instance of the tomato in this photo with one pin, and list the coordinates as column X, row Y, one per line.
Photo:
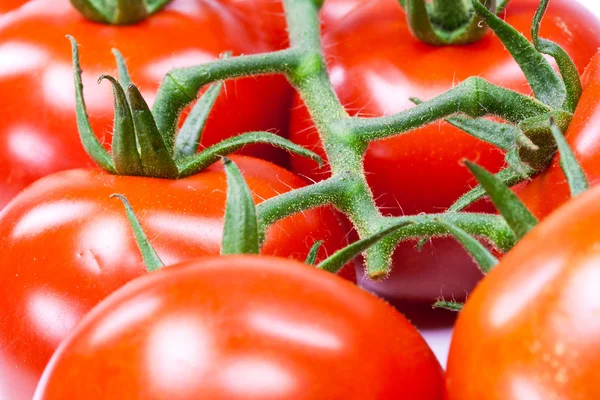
column 37, row 72
column 243, row 327
column 376, row 65
column 67, row 245
column 549, row 189
column 530, row 330
column 10, row 5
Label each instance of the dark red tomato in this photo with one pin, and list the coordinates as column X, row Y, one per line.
column 531, row 330
column 243, row 327
column 38, row 132
column 550, row 189
column 376, row 65
column 67, row 245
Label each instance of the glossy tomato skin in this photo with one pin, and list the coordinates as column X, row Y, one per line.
column 243, row 327
column 38, row 132
column 376, row 65
column 530, row 330
column 67, row 245
column 550, row 189
column 10, row 5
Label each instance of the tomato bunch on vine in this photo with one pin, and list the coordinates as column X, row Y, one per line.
column 175, row 231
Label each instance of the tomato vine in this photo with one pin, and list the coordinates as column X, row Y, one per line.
column 528, row 137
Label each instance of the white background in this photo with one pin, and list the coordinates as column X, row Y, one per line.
column 593, row 5
column 439, row 339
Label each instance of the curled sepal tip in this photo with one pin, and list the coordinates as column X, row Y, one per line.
column 151, row 259
column 566, row 66
column 576, row 178
column 125, row 153
column 90, row 142
column 547, row 86
column 157, row 158
column 311, row 258
column 240, row 229
column 118, row 12
column 124, row 77
column 517, row 216
column 482, row 256
column 337, row 261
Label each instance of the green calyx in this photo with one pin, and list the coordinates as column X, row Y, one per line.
column 118, row 12
column 139, row 148
column 445, row 22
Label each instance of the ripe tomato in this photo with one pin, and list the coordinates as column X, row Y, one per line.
column 9, row 5
column 243, row 327
column 530, row 330
column 38, row 132
column 67, row 245
column 549, row 189
column 376, row 65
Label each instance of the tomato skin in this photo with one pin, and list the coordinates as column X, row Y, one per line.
column 550, row 189
column 40, row 113
column 530, row 330
column 67, row 245
column 376, row 65
column 10, row 5
column 204, row 330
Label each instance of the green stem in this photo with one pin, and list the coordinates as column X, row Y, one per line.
column 474, row 97
column 180, row 86
column 194, row 164
column 290, row 203
column 345, row 139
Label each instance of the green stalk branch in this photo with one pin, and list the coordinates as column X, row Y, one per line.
column 290, row 203
column 474, row 97
column 344, row 139
column 180, row 86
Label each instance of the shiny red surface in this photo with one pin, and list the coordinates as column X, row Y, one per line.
column 66, row 245
column 530, row 330
column 550, row 189
column 10, row 5
column 38, row 132
column 243, row 328
column 376, row 65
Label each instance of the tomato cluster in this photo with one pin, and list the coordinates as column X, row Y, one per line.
column 83, row 316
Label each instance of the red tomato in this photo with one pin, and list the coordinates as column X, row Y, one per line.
column 376, row 65
column 9, row 5
column 550, row 189
column 38, row 132
column 530, row 330
column 67, row 245
column 243, row 327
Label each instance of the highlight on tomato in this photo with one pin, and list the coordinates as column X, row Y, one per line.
column 376, row 65
column 38, row 130
column 240, row 327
